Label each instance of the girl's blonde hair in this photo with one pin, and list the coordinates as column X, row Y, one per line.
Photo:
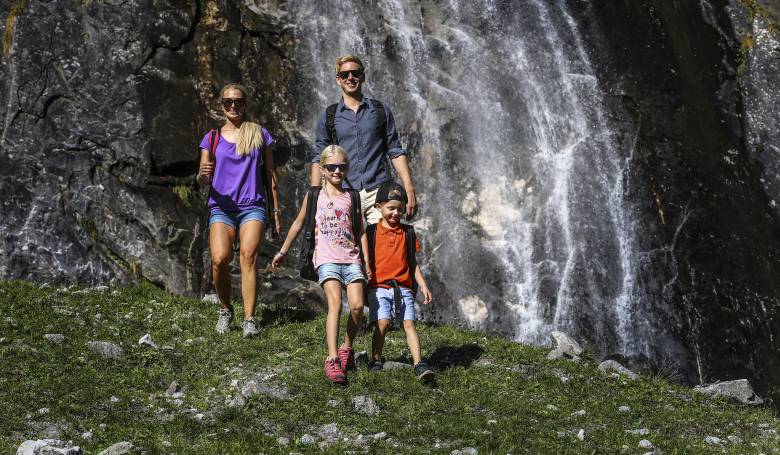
column 250, row 135
column 329, row 151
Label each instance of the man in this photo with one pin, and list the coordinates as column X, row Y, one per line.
column 357, row 127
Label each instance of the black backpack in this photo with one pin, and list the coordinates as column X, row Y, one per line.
column 305, row 261
column 411, row 250
column 333, row 139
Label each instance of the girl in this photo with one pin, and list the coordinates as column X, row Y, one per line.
column 237, row 201
column 336, row 258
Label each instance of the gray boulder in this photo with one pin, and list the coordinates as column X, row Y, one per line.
column 147, row 340
column 56, row 338
column 120, row 448
column 564, row 347
column 256, row 386
column 739, row 390
column 106, row 349
column 391, row 365
column 611, row 365
column 365, row 405
column 48, row 447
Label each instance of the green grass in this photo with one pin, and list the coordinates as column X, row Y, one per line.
column 502, row 407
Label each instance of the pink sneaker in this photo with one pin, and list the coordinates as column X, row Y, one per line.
column 333, row 371
column 347, row 357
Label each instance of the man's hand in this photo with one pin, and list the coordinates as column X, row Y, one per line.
column 411, row 205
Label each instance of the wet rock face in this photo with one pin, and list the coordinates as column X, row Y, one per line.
column 708, row 227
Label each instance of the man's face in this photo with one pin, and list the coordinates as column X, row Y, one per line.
column 349, row 82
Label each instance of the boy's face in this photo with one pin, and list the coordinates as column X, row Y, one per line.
column 392, row 211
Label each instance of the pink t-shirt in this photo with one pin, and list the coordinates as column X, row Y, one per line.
column 333, row 239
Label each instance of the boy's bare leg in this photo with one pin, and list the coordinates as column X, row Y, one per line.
column 355, row 300
column 412, row 340
column 333, row 294
column 378, row 341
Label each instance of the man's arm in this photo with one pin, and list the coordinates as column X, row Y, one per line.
column 320, row 142
column 400, row 160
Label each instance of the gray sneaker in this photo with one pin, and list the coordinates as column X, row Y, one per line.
column 250, row 327
column 223, row 323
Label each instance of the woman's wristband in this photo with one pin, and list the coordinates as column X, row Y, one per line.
column 283, row 253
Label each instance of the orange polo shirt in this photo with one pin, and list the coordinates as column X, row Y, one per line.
column 390, row 257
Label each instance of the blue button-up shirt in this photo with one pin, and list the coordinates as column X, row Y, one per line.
column 358, row 133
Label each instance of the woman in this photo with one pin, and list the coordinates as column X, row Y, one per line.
column 237, row 202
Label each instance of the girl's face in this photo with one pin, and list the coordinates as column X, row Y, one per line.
column 335, row 169
column 233, row 102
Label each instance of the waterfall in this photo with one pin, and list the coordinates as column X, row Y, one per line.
column 521, row 182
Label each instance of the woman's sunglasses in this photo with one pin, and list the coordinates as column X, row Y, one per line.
column 344, row 167
column 237, row 102
column 345, row 74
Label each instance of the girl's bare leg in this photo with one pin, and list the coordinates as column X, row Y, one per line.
column 355, row 300
column 332, row 290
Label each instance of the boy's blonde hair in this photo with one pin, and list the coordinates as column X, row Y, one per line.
column 348, row 58
column 250, row 135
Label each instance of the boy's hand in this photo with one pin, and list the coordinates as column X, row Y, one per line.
column 427, row 297
column 278, row 258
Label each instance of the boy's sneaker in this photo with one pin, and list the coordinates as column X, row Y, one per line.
column 250, row 327
column 376, row 365
column 333, row 371
column 347, row 357
column 223, row 322
column 423, row 372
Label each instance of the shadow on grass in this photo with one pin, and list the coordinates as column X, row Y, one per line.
column 445, row 357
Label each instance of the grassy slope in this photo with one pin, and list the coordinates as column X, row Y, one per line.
column 492, row 408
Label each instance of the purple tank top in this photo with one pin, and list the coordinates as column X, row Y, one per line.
column 238, row 181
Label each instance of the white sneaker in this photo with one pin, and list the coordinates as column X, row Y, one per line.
column 250, row 327
column 223, row 323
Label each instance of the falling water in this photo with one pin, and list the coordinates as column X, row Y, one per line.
column 521, row 181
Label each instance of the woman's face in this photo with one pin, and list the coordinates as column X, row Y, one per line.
column 233, row 103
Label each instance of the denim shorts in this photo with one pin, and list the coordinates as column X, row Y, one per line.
column 234, row 219
column 380, row 301
column 345, row 273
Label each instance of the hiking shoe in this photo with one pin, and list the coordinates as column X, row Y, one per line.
column 333, row 371
column 250, row 327
column 423, row 372
column 223, row 323
column 347, row 357
column 376, row 365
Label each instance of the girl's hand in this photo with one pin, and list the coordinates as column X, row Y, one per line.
column 427, row 297
column 278, row 259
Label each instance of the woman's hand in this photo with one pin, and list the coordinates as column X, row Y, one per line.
column 205, row 172
column 278, row 259
column 277, row 221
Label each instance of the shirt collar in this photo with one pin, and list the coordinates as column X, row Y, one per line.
column 387, row 230
column 342, row 106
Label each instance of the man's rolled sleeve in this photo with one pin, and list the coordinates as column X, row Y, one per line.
column 394, row 148
column 321, row 140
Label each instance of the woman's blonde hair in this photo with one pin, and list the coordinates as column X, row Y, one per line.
column 250, row 134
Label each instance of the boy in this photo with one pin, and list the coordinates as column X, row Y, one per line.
column 396, row 275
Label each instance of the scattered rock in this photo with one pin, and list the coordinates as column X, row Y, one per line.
column 51, row 431
column 734, row 439
column 391, row 365
column 106, row 349
column 282, row 441
column 380, row 435
column 611, row 365
column 581, row 434
column 173, row 388
column 639, row 431
column 43, row 411
column 115, row 399
column 564, row 347
column 713, row 440
column 645, row 444
column 484, row 361
column 48, row 447
column 56, row 338
column 307, row 439
column 365, row 405
column 579, row 413
column 464, row 451
column 333, row 403
column 147, row 340
column 361, row 358
column 624, row 409
column 87, row 435
column 739, row 390
column 211, row 298
column 257, row 386
column 330, row 432
column 552, row 407
column 120, row 448
column 492, row 422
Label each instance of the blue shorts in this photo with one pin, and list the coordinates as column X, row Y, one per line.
column 380, row 302
column 234, row 219
column 345, row 273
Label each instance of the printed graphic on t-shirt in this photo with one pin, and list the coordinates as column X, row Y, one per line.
column 335, row 227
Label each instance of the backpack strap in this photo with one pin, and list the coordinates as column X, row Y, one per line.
column 381, row 113
column 308, row 226
column 357, row 219
column 330, row 123
column 213, row 141
column 371, row 234
column 411, row 252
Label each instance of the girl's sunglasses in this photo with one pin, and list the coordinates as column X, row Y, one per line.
column 344, row 167
column 345, row 74
column 237, row 102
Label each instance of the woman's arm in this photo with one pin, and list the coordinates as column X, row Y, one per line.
column 292, row 234
column 272, row 177
column 205, row 168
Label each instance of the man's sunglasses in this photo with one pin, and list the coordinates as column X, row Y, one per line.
column 332, row 167
column 345, row 74
column 237, row 102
